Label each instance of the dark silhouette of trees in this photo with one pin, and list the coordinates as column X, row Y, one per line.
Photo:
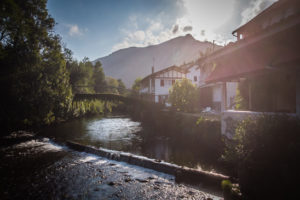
column 33, row 76
column 121, row 87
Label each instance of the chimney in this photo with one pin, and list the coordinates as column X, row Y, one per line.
column 152, row 69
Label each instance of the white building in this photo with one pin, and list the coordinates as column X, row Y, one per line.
column 193, row 73
column 155, row 87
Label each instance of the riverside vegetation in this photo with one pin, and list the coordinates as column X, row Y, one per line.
column 38, row 76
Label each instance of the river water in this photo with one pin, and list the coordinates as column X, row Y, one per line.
column 120, row 132
column 38, row 168
column 35, row 167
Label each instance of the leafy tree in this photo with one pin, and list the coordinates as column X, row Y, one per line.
column 83, row 75
column 121, row 87
column 99, row 78
column 136, row 87
column 33, row 73
column 111, row 85
column 183, row 95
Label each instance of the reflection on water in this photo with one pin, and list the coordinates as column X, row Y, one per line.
column 122, row 134
column 113, row 129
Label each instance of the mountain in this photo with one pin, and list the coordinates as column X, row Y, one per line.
column 133, row 62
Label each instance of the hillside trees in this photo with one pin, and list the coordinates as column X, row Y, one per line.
column 86, row 77
column 33, row 73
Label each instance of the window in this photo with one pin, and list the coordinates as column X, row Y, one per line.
column 195, row 78
column 173, row 82
column 162, row 83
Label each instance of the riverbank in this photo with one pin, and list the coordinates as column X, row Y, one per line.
column 40, row 169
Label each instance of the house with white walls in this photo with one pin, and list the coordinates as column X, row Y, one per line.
column 192, row 72
column 266, row 61
column 211, row 93
column 155, row 87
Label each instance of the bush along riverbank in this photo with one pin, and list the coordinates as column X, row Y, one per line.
column 265, row 155
column 262, row 157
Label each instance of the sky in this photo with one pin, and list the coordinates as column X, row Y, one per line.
column 96, row 28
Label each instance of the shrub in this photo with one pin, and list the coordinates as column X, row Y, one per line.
column 266, row 152
column 183, row 95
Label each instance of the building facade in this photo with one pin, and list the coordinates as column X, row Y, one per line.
column 155, row 87
column 265, row 61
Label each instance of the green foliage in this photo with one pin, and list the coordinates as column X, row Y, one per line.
column 33, row 73
column 37, row 74
column 242, row 96
column 230, row 191
column 136, row 87
column 183, row 95
column 83, row 75
column 99, row 78
column 226, row 185
column 92, row 107
column 111, row 85
column 121, row 87
column 265, row 152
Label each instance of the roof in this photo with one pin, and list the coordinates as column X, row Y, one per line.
column 280, row 50
column 268, row 11
column 174, row 67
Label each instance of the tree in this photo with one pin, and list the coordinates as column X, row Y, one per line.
column 136, row 87
column 33, row 71
column 99, row 78
column 111, row 85
column 121, row 87
column 183, row 95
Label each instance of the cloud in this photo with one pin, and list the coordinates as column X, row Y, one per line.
column 205, row 20
column 154, row 32
column 255, row 7
column 187, row 28
column 155, row 25
column 138, row 35
column 74, row 30
column 175, row 29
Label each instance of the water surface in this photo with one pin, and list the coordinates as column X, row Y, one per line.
column 123, row 134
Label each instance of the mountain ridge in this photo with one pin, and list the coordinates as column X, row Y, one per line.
column 133, row 62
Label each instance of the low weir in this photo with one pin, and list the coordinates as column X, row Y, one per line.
column 182, row 174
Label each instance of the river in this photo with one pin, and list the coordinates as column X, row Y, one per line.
column 121, row 133
column 40, row 168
